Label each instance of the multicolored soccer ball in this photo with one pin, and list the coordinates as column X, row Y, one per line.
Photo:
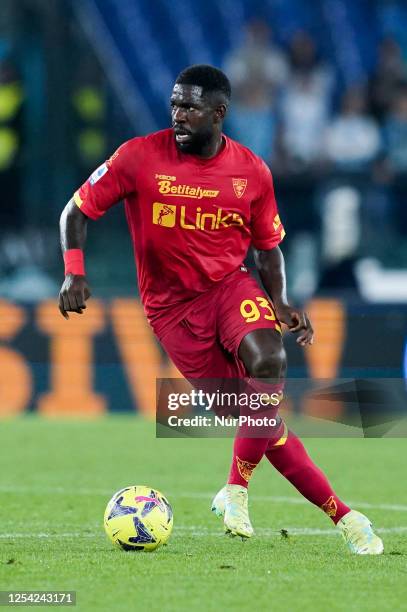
column 138, row 518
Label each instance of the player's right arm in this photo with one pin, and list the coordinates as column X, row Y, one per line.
column 267, row 233
column 110, row 183
column 75, row 290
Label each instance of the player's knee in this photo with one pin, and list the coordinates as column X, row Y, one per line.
column 270, row 364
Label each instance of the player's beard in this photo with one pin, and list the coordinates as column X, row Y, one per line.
column 196, row 144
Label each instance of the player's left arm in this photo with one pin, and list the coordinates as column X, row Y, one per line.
column 267, row 233
column 271, row 267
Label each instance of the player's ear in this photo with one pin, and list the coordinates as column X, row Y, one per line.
column 220, row 112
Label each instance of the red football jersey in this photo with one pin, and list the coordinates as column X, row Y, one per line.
column 191, row 220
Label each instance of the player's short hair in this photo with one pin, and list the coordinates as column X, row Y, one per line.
column 211, row 79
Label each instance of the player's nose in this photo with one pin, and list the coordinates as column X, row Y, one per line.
column 179, row 115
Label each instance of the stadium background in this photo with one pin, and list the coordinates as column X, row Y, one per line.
column 320, row 91
column 76, row 79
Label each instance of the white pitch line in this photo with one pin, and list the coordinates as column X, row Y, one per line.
column 297, row 531
column 301, row 500
column 48, row 535
column 56, row 490
column 193, row 495
column 297, row 501
column 195, row 531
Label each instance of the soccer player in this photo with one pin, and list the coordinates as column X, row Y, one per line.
column 195, row 202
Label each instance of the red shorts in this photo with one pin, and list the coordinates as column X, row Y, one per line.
column 205, row 343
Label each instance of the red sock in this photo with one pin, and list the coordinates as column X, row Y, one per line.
column 247, row 453
column 251, row 442
column 293, row 462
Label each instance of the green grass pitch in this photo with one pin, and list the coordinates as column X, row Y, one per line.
column 56, row 478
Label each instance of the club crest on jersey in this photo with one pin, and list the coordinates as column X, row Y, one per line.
column 239, row 186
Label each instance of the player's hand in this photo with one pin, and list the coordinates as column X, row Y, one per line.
column 297, row 321
column 74, row 292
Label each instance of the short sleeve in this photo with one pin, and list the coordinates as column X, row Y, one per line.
column 266, row 228
column 111, row 182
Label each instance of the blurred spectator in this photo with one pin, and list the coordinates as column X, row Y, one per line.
column 353, row 138
column 257, row 59
column 390, row 71
column 304, row 116
column 305, row 104
column 341, row 233
column 257, row 70
column 252, row 121
column 395, row 132
column 395, row 137
column 304, row 60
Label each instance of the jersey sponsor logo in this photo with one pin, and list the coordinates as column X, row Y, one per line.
column 164, row 214
column 168, row 215
column 98, row 173
column 165, row 177
column 239, row 186
column 166, row 187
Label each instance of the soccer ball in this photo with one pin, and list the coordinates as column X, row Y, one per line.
column 138, row 518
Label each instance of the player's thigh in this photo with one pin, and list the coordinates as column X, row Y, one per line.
column 244, row 308
column 199, row 356
column 206, row 365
